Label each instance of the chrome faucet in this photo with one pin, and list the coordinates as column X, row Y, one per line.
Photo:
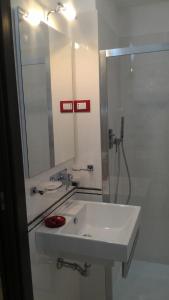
column 63, row 176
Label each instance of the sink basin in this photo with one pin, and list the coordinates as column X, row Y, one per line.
column 94, row 231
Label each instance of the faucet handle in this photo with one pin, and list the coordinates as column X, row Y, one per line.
column 59, row 176
column 63, row 176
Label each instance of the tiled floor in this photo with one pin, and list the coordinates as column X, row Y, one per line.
column 146, row 281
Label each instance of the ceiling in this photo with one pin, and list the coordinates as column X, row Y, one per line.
column 125, row 3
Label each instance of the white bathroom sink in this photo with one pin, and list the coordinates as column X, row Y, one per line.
column 94, row 231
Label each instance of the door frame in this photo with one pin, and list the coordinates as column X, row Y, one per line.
column 15, row 257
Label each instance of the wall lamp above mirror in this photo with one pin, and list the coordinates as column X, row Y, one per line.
column 33, row 17
column 67, row 10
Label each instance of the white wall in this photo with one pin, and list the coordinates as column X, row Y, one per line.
column 146, row 20
column 109, row 11
column 84, row 6
column 107, row 24
column 88, row 145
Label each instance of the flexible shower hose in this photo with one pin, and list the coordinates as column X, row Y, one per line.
column 121, row 144
column 118, row 173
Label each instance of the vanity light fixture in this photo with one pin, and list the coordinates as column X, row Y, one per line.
column 33, row 17
column 67, row 10
column 76, row 45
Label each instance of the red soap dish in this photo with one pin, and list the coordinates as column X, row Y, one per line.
column 55, row 221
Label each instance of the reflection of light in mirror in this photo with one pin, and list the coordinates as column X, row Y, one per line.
column 26, row 38
column 77, row 46
column 51, row 23
column 68, row 11
column 132, row 57
column 33, row 18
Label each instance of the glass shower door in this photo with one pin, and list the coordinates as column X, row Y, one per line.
column 140, row 92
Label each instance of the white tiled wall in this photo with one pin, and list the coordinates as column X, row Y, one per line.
column 144, row 19
column 87, row 125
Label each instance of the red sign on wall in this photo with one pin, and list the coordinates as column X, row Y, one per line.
column 66, row 106
column 82, row 106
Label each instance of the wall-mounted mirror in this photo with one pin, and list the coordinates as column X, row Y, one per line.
column 44, row 71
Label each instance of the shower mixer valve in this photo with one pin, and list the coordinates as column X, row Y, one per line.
column 113, row 140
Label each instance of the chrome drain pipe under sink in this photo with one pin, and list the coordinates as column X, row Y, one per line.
column 84, row 271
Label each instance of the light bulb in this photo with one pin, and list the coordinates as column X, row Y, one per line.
column 33, row 18
column 77, row 46
column 69, row 12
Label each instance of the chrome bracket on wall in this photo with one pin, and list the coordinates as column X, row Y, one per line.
column 84, row 271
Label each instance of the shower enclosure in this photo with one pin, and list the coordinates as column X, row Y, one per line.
column 134, row 84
